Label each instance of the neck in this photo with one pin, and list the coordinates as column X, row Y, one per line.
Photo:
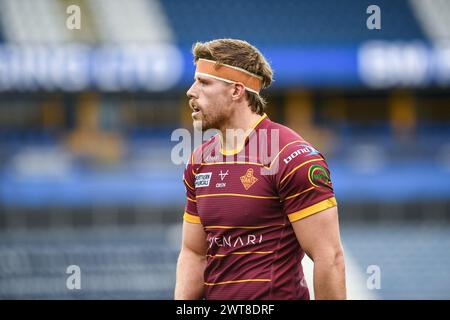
column 236, row 129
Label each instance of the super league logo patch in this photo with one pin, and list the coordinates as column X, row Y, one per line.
column 248, row 179
column 318, row 176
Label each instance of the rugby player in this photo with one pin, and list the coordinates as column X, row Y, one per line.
column 250, row 218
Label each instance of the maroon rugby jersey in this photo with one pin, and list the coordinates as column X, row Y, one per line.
column 246, row 202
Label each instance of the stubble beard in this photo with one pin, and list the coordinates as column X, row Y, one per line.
column 207, row 122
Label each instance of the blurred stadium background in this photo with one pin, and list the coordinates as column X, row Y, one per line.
column 86, row 117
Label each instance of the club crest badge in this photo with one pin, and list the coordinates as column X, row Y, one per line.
column 248, row 179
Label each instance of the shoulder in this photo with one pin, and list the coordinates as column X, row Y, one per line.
column 292, row 147
column 193, row 163
column 202, row 152
column 285, row 134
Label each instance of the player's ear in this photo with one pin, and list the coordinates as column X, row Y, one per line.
column 238, row 91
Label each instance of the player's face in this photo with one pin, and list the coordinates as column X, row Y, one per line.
column 209, row 100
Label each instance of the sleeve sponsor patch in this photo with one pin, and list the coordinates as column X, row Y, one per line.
column 318, row 176
column 304, row 149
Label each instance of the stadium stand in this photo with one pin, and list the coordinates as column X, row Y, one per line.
column 288, row 22
column 135, row 264
column 134, row 21
column 38, row 22
column 434, row 17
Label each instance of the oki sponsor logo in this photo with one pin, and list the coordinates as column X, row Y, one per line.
column 305, row 149
column 223, row 175
column 233, row 242
column 202, row 179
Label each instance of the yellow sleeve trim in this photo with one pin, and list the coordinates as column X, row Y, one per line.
column 188, row 185
column 315, row 208
column 191, row 218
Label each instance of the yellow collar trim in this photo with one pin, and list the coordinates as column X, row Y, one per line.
column 237, row 150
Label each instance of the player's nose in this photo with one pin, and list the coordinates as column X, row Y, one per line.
column 191, row 93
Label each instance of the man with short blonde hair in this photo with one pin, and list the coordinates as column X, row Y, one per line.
column 249, row 219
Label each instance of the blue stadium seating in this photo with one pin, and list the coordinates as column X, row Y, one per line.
column 288, row 21
column 139, row 263
column 412, row 258
column 128, row 265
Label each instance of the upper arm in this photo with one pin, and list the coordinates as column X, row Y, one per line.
column 194, row 238
column 307, row 194
column 304, row 182
column 318, row 234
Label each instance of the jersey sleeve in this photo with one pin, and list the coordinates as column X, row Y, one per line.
column 304, row 182
column 190, row 211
